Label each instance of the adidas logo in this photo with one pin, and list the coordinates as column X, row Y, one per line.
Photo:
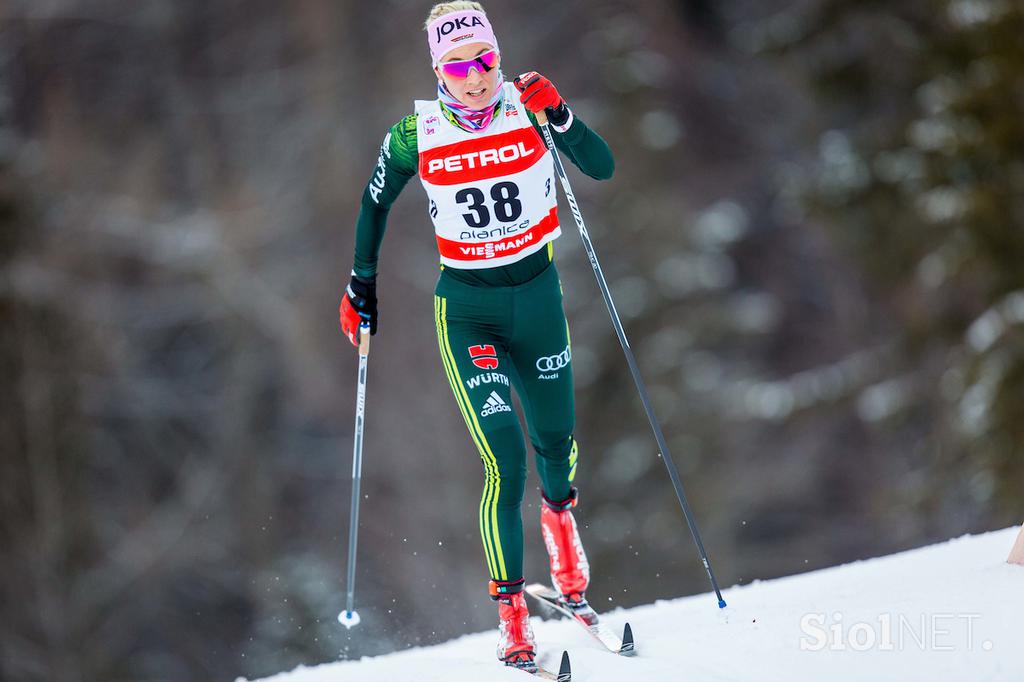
column 493, row 404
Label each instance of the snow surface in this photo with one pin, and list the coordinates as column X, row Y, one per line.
column 951, row 611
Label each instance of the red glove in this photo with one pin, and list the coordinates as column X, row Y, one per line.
column 538, row 92
column 359, row 307
column 350, row 320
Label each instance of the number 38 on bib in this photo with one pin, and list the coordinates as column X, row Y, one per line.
column 491, row 193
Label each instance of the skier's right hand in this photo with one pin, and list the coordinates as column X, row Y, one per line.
column 359, row 306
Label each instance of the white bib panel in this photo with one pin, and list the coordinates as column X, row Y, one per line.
column 492, row 193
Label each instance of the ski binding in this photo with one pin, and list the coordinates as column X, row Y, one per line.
column 587, row 618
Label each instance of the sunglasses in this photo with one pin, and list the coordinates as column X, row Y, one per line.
column 482, row 63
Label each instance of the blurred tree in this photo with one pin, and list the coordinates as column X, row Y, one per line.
column 45, row 515
column 921, row 179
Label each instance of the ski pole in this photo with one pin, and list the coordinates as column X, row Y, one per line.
column 349, row 618
column 673, row 473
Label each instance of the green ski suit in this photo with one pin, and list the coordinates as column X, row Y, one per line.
column 498, row 328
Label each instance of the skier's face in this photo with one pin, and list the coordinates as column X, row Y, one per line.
column 476, row 89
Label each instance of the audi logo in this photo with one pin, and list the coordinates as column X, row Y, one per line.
column 553, row 363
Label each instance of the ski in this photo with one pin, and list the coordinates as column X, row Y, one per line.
column 564, row 670
column 587, row 618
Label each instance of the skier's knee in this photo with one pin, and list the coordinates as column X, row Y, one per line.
column 554, row 446
column 503, row 454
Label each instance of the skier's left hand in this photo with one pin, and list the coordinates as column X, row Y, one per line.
column 538, row 93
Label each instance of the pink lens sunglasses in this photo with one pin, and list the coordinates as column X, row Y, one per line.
column 482, row 63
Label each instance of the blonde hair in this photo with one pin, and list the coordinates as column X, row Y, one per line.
column 443, row 8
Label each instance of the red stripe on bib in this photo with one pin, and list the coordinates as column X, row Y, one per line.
column 476, row 251
column 482, row 158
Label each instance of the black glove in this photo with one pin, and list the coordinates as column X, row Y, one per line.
column 558, row 116
column 359, row 305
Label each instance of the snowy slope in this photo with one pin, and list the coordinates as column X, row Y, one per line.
column 951, row 611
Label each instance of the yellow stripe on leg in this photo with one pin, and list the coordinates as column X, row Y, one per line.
column 573, row 457
column 491, row 511
column 489, row 475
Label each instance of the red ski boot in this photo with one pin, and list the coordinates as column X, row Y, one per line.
column 570, row 571
column 516, row 646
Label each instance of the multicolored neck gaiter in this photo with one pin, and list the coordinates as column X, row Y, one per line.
column 473, row 120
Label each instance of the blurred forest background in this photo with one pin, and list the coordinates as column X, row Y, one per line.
column 815, row 235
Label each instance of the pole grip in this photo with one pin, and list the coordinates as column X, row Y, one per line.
column 364, row 339
column 542, row 117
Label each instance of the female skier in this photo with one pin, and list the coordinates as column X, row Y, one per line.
column 498, row 306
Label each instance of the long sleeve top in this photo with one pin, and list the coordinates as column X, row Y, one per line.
column 398, row 163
